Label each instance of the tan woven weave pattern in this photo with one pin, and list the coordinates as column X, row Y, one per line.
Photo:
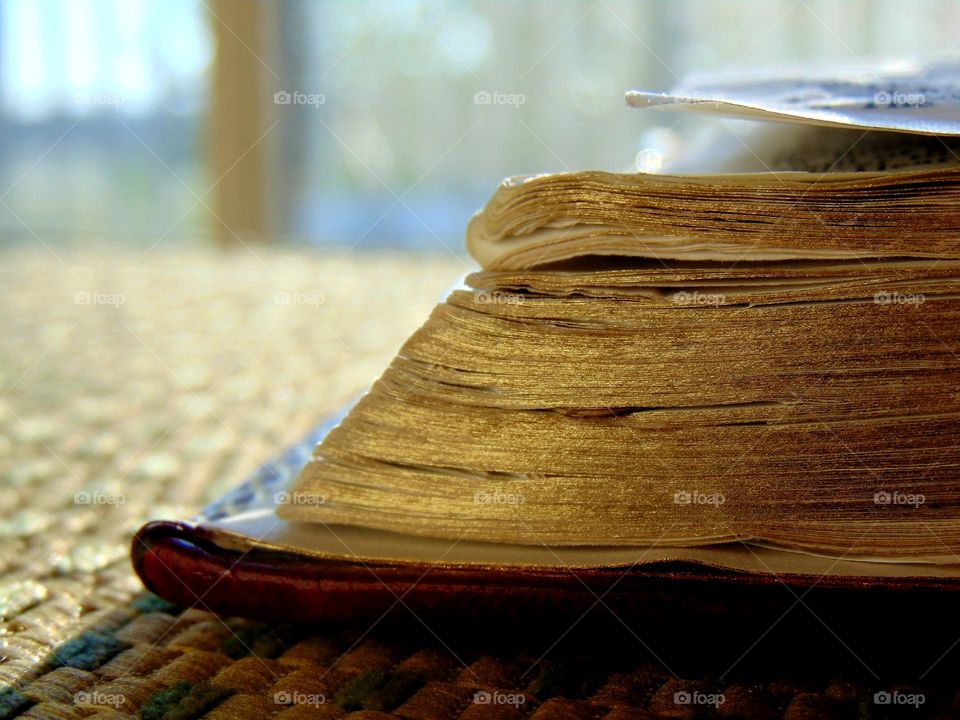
column 137, row 385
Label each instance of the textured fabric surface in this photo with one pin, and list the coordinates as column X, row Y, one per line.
column 150, row 660
column 139, row 386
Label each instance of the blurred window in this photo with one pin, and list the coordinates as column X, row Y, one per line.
column 419, row 108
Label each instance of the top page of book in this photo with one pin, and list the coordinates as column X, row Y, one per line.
column 904, row 96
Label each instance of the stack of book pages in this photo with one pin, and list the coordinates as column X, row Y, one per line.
column 753, row 366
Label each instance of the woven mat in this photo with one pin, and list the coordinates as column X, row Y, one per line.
column 143, row 385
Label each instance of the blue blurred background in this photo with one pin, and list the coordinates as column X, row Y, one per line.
column 403, row 116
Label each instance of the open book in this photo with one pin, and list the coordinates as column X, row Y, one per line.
column 751, row 371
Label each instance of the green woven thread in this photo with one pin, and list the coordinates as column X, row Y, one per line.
column 377, row 690
column 567, row 677
column 87, row 651
column 11, row 703
column 148, row 603
column 182, row 700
